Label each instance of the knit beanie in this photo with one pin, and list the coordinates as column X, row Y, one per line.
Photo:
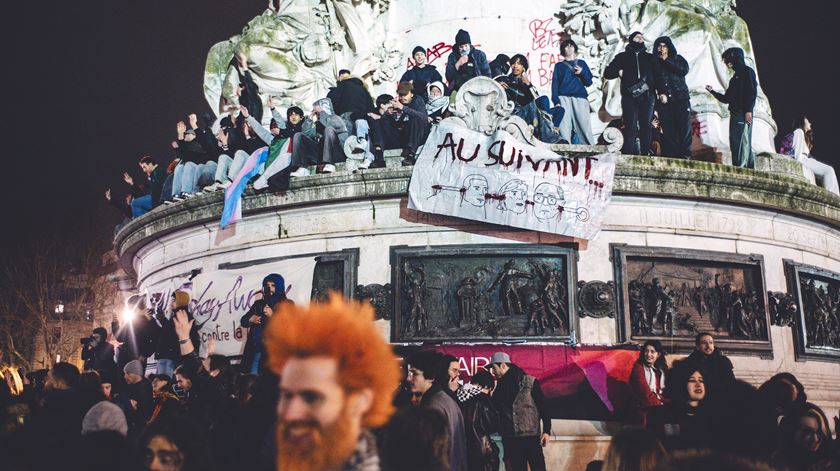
column 182, row 298
column 462, row 37
column 105, row 416
column 133, row 367
column 418, row 49
column 633, row 35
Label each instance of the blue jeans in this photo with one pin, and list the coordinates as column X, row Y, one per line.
column 255, row 364
column 141, row 205
column 184, row 178
column 165, row 367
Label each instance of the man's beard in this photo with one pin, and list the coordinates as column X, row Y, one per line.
column 305, row 446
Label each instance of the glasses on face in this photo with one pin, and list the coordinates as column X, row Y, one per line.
column 549, row 200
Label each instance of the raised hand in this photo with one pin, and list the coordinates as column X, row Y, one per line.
column 108, row 194
column 211, row 345
column 244, row 111
column 181, row 128
column 270, row 102
column 193, row 120
column 183, row 324
column 127, row 178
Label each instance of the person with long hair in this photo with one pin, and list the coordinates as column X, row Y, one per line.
column 683, row 423
column 805, row 441
column 647, row 380
column 633, row 449
column 799, row 145
column 524, row 96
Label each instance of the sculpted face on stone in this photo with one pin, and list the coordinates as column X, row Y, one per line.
column 475, row 188
column 548, row 199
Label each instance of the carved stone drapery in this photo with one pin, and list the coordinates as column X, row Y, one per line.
column 782, row 308
column 379, row 296
column 596, row 299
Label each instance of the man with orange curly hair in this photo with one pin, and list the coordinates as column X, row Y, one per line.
column 338, row 376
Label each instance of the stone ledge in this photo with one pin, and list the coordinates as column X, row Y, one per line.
column 635, row 176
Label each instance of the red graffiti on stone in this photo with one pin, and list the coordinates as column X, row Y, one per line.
column 542, row 34
column 698, row 128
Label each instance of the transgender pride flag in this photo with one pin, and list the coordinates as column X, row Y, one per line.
column 233, row 193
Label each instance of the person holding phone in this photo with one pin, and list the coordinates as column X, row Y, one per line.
column 465, row 62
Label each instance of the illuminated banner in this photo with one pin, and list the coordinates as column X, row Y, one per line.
column 219, row 299
column 500, row 180
column 584, row 382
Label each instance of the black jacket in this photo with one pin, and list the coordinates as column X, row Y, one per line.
column 99, row 358
column 505, row 394
column 476, row 66
column 142, row 393
column 669, row 74
column 680, row 427
column 421, row 77
column 481, row 419
column 167, row 344
column 743, row 86
column 351, row 96
column 416, row 110
column 250, row 96
column 636, row 64
column 717, row 371
column 139, row 338
column 191, row 152
column 211, row 399
column 156, row 180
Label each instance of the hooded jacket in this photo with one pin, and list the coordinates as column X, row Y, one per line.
column 351, row 96
column 427, row 74
column 743, row 86
column 254, row 343
column 476, row 66
column 191, row 151
column 328, row 118
column 669, row 74
column 637, row 65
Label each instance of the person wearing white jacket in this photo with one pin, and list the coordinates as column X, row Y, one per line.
column 798, row 145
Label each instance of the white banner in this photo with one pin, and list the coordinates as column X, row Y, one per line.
column 500, row 180
column 219, row 299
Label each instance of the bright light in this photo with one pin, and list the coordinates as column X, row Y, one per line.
column 128, row 315
column 59, row 308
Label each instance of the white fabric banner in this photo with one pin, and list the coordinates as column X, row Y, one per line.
column 499, row 180
column 219, row 299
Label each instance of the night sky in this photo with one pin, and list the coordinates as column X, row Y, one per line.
column 95, row 85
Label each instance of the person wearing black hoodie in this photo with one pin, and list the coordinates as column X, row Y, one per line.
column 672, row 98
column 740, row 95
column 352, row 101
column 465, row 62
column 97, row 353
column 273, row 292
column 635, row 67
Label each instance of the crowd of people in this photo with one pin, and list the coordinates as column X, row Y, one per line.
column 320, row 389
column 656, row 119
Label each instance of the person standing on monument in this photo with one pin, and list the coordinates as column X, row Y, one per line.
column 672, row 98
column 635, row 68
column 465, row 62
column 568, row 91
column 521, row 404
column 421, row 75
column 740, row 95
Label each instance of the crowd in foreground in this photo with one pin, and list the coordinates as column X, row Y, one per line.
column 330, row 394
column 211, row 152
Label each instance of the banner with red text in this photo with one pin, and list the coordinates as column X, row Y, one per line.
column 584, row 382
column 218, row 299
column 500, row 180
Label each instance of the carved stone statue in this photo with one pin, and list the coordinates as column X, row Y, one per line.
column 507, row 281
column 418, row 318
column 467, row 294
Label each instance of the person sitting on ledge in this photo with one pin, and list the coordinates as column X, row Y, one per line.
column 408, row 128
column 384, row 109
column 438, row 104
column 799, row 144
column 524, row 96
column 321, row 144
column 190, row 156
column 352, row 101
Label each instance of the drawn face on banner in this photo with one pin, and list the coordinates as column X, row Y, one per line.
column 547, row 201
column 476, row 187
column 515, row 193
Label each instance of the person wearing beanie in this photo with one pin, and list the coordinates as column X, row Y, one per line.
column 406, row 128
column 136, row 401
column 273, row 293
column 635, row 68
column 97, row 353
column 465, row 62
column 105, row 416
column 421, row 74
column 167, row 352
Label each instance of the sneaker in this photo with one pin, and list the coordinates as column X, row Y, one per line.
column 359, row 148
column 365, row 164
column 226, row 184
column 210, row 188
column 301, row 172
column 328, row 168
column 179, row 197
column 168, row 202
column 378, row 163
column 408, row 160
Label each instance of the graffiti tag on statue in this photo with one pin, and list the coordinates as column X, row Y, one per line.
column 500, row 180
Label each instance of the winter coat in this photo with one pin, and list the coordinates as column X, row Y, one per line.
column 167, row 345
column 212, row 400
column 643, row 398
column 250, row 96
column 254, row 343
column 743, row 86
column 717, row 371
column 191, row 152
column 636, row 64
column 669, row 74
column 100, row 357
column 156, row 180
column 426, row 74
column 481, row 419
column 476, row 66
column 678, row 426
column 351, row 96
column 437, row 399
column 416, row 110
column 142, row 393
column 519, row 399
column 138, row 338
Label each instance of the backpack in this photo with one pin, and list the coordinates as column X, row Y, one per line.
column 787, row 146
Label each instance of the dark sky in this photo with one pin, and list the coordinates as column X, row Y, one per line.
column 96, row 84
